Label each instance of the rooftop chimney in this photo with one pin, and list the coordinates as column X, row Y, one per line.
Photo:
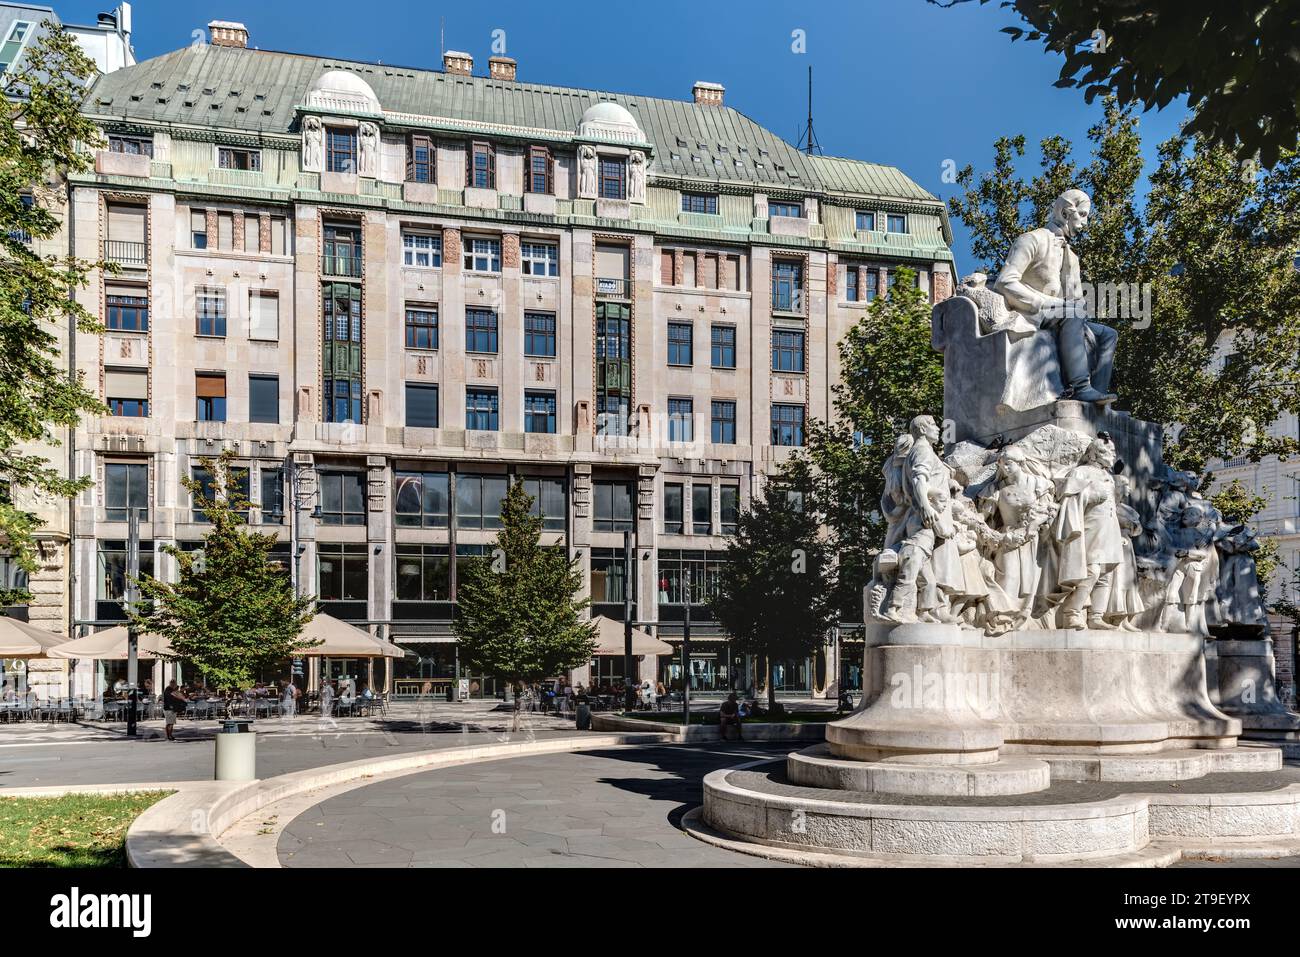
column 708, row 94
column 502, row 68
column 227, row 33
column 462, row 64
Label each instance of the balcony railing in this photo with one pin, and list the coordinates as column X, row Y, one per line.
column 613, row 288
column 342, row 264
column 126, row 253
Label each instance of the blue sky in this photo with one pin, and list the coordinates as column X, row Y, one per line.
column 900, row 82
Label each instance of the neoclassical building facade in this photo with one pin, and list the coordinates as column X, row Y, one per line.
column 391, row 290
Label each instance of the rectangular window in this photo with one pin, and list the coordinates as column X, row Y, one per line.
column 870, row 284
column 112, row 568
column 126, row 392
column 794, row 210
column 609, row 582
column 539, row 412
column 423, row 573
column 342, row 572
column 135, row 145
column 787, row 286
column 422, row 327
column 421, row 405
column 226, row 231
column 342, row 498
column 865, row 221
column 483, row 255
column 539, row 334
column 210, row 397
column 539, row 170
column 420, row 166
column 422, row 499
column 851, row 283
column 787, row 425
column 613, row 368
column 482, row 411
column 679, row 343
column 891, row 277
column 272, row 481
column 723, row 415
column 612, row 506
column 340, row 150
column 550, row 501
column 729, row 507
column 341, row 328
column 263, row 398
column 673, row 505
column 126, row 488
column 198, row 229
column 210, row 311
column 422, row 250
column 479, row 498
column 205, row 493
column 252, row 233
column 342, row 252
column 231, row 158
column 126, row 308
column 480, row 330
column 613, row 178
column 539, row 259
column 482, row 166
column 263, row 315
column 787, row 350
column 702, row 509
column 723, row 350
column 342, row 398
column 896, row 223
column 681, row 420
column 700, row 203
column 279, row 236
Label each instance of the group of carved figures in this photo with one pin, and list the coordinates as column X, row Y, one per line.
column 1047, row 532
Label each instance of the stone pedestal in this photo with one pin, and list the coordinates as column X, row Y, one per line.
column 936, row 694
column 1243, row 675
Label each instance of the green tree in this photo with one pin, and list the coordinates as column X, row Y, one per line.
column 232, row 612
column 40, row 143
column 889, row 373
column 777, row 586
column 1216, row 241
column 517, row 613
column 1235, row 62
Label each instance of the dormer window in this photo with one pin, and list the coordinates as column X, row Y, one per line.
column 420, row 159
column 793, row 210
column 613, row 178
column 866, row 221
column 482, row 166
column 706, row 203
column 340, row 150
column 538, row 176
column 897, row 223
column 229, row 158
column 133, row 145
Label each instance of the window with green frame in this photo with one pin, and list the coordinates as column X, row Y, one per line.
column 341, row 353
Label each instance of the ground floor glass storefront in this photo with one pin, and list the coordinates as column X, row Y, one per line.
column 433, row 668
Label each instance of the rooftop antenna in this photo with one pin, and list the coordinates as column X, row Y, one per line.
column 442, row 38
column 808, row 139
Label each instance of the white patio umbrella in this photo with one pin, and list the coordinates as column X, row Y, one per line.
column 609, row 639
column 21, row 640
column 338, row 639
column 110, row 645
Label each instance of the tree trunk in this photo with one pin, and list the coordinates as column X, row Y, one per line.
column 771, row 684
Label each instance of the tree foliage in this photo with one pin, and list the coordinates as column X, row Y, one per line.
column 517, row 612
column 777, row 586
column 232, row 612
column 39, row 144
column 1216, row 241
column 1236, row 62
column 888, row 374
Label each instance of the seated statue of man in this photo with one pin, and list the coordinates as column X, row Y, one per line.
column 1041, row 281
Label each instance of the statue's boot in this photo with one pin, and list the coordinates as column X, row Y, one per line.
column 1087, row 393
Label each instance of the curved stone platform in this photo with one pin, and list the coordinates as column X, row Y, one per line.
column 1257, row 812
column 816, row 767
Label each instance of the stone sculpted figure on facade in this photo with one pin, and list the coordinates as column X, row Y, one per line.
column 636, row 177
column 587, row 172
column 1125, row 594
column 313, row 145
column 1089, row 541
column 368, row 152
column 1241, row 602
column 1019, row 505
column 1041, row 281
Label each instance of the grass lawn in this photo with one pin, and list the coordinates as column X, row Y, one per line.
column 77, row 830
column 711, row 717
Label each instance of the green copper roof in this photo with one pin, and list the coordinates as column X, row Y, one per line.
column 256, row 91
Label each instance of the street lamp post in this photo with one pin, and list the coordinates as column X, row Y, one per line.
column 132, row 636
column 629, row 693
column 686, row 651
